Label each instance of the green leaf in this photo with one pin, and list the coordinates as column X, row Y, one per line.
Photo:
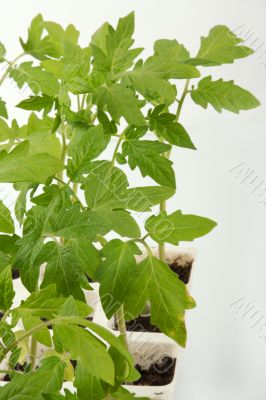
column 37, row 103
column 164, row 45
column 154, row 281
column 120, row 221
column 115, row 272
column 147, row 156
column 106, row 187
column 88, row 256
column 90, row 146
column 120, row 102
column 63, row 269
column 20, row 205
column 19, row 166
column 87, row 349
column 72, row 223
column 112, row 47
column 88, row 386
column 221, row 46
column 3, row 110
column 52, row 45
column 169, row 298
column 178, row 227
column 45, row 304
column 42, row 335
column 151, row 86
column 2, row 52
column 166, row 127
column 38, row 80
column 143, row 198
column 6, row 222
column 167, row 65
column 223, row 95
column 31, row 386
column 6, row 289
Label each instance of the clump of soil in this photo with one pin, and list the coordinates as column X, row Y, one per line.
column 18, row 368
column 15, row 274
column 182, row 266
column 140, row 324
column 160, row 373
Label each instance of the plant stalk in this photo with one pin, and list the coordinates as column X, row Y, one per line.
column 33, row 352
column 121, row 323
column 10, row 67
column 161, row 246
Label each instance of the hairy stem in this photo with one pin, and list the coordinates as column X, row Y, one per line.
column 161, row 246
column 10, row 67
column 33, row 352
column 121, row 138
column 121, row 323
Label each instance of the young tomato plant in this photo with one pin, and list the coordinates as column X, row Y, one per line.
column 71, row 196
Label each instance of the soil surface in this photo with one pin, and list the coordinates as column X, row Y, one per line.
column 140, row 324
column 15, row 274
column 159, row 374
column 18, row 367
column 182, row 268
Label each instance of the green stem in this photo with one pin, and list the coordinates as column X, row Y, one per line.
column 6, row 314
column 83, row 102
column 101, row 240
column 121, row 323
column 182, row 99
column 6, row 371
column 121, row 138
column 33, row 352
column 30, row 332
column 10, row 67
column 161, row 247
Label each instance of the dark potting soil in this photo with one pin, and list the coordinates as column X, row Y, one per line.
column 15, row 274
column 182, row 270
column 159, row 374
column 19, row 368
column 140, row 324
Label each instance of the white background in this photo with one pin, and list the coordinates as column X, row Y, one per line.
column 225, row 357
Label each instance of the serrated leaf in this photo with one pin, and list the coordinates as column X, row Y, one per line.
column 147, row 156
column 2, row 52
column 20, row 205
column 115, row 272
column 221, row 46
column 223, row 95
column 31, row 386
column 120, row 102
column 169, row 298
column 178, row 227
column 88, row 385
column 3, row 110
column 166, row 127
column 37, row 103
column 6, row 289
column 38, row 80
column 154, row 281
column 87, row 349
column 19, row 166
column 6, row 221
column 167, row 65
column 90, row 146
column 164, row 45
column 63, row 269
column 42, row 335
